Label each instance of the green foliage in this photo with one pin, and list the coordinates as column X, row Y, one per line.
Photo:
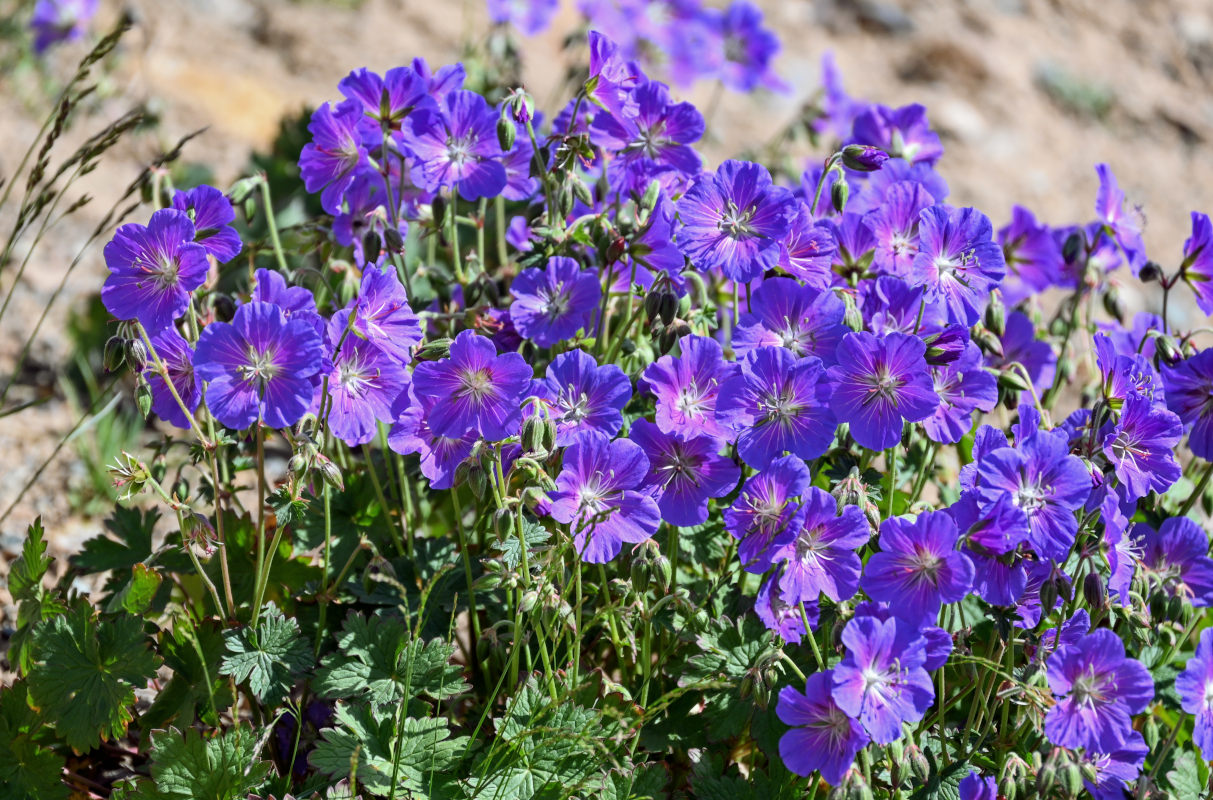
column 33, row 603
column 196, row 690
column 268, row 656
column 28, row 770
column 85, row 674
column 193, row 767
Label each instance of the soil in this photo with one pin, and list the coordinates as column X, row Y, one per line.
column 1028, row 95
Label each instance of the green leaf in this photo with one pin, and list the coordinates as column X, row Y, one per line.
column 27, row 770
column 196, row 689
column 33, row 603
column 378, row 659
column 268, row 657
column 224, row 767
column 85, row 674
column 287, row 508
column 728, row 649
column 1184, row 778
column 129, row 544
column 511, row 548
column 644, row 782
column 140, row 590
column 419, row 751
column 943, row 783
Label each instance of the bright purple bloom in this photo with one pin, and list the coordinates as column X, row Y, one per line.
column 583, row 396
column 785, row 314
column 1122, row 551
column 1115, row 770
column 476, row 389
column 440, row 455
column 683, row 474
column 991, row 536
column 656, row 143
column 598, row 493
column 177, row 356
column 1126, row 376
column 363, row 385
column 1141, row 446
column 1032, row 255
column 329, row 162
column 749, row 48
column 735, row 221
column 612, row 78
column 975, row 787
column 809, row 250
column 687, row 387
column 260, row 367
column 528, row 16
column 765, row 516
column 881, row 680
column 822, row 558
column 963, row 386
column 153, row 269
column 1045, row 481
column 823, row 737
column 1198, row 261
column 1175, row 559
column 894, row 224
column 1195, row 688
column 839, row 108
column 918, row 568
column 938, row 641
column 386, row 100
column 553, row 303
column 777, row 403
column 1189, row 387
column 958, row 260
column 382, row 314
column 456, row 146
column 442, row 81
column 890, row 305
column 780, row 615
column 902, row 133
column 1125, row 224
column 57, row 21
column 212, row 215
column 878, row 384
column 1019, row 344
column 874, row 190
column 1098, row 691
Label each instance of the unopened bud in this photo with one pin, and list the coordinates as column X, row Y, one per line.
column 851, row 316
column 987, row 341
column 136, row 355
column 918, row 762
column 863, row 157
column 1071, row 251
column 651, row 193
column 529, row 599
column 1093, row 590
column 1150, row 272
column 652, row 305
column 521, row 105
column 947, row 345
column 639, row 573
column 616, row 249
column 668, row 308
column 329, row 472
column 1168, row 349
column 1048, row 596
column 532, row 434
column 996, row 314
column 840, row 192
column 1113, row 304
column 434, row 350
column 114, row 355
column 393, row 240
column 1014, row 380
column 506, row 133
column 143, row 397
column 664, row 572
column 372, row 246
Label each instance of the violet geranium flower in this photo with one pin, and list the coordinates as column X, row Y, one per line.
column 583, row 396
column 735, row 221
column 1189, row 386
column 363, row 384
column 1125, row 225
column 1098, row 690
column 683, row 474
column 476, row 389
column 329, row 162
column 687, row 388
column 153, row 268
column 918, row 568
column 382, row 314
column 553, row 303
column 1198, row 261
column 656, row 143
column 457, row 146
column 785, row 314
column 440, row 455
column 55, row 21
column 821, row 557
column 260, row 367
column 599, row 493
column 766, row 516
column 177, row 356
column 963, row 387
column 1175, row 559
column 881, row 680
column 1141, row 446
column 958, row 260
column 879, row 383
column 823, row 737
column 902, row 133
column 777, row 403
column 1195, row 688
column 212, row 215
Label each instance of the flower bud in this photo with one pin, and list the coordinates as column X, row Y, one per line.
column 529, row 599
column 1048, row 596
column 668, row 308
column 616, row 249
column 840, row 192
column 996, row 314
column 917, row 762
column 372, row 246
column 521, row 105
column 863, row 157
column 506, row 133
column 947, row 345
column 850, row 491
column 851, row 316
column 1093, row 590
column 438, row 210
column 393, row 240
column 136, row 355
column 639, row 573
column 329, row 472
column 532, row 434
column 1071, row 251
column 143, row 397
column 1168, row 349
column 1013, row 380
column 651, row 193
column 434, row 350
column 114, row 355
column 663, row 571
column 987, row 341
column 652, row 305
column 1150, row 272
column 1113, row 304
column 1072, row 774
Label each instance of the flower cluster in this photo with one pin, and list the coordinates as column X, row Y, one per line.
column 655, row 345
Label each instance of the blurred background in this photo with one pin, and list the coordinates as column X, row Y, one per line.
column 1028, row 96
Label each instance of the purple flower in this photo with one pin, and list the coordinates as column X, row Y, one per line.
column 822, row 558
column 211, row 213
column 918, row 568
column 1113, row 771
column 456, row 146
column 386, row 101
column 1141, row 447
column 823, row 737
column 878, row 383
column 991, row 536
column 329, row 162
column 777, row 403
column 735, row 220
column 529, row 16
column 839, row 108
column 55, row 21
column 363, row 385
column 1126, row 376
column 894, row 224
column 958, row 260
column 808, row 251
column 440, row 455
column 153, row 268
column 1125, row 225
column 611, row 78
column 656, row 143
column 443, row 81
column 1019, row 344
column 598, row 493
column 476, row 389
column 881, row 680
column 177, row 356
column 765, row 516
column 382, row 314
column 270, row 287
column 1122, row 551
column 1032, row 255
column 1189, row 387
column 687, row 387
column 260, row 367
column 975, row 787
column 1195, row 688
column 1175, row 559
column 553, row 303
column 785, row 314
column 683, row 474
column 938, row 641
column 1046, row 482
column 749, row 48
column 583, row 396
column 780, row 615
column 902, row 133
column 963, row 386
column 1198, row 261
column 1098, row 690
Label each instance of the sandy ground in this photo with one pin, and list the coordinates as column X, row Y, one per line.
column 1029, row 95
